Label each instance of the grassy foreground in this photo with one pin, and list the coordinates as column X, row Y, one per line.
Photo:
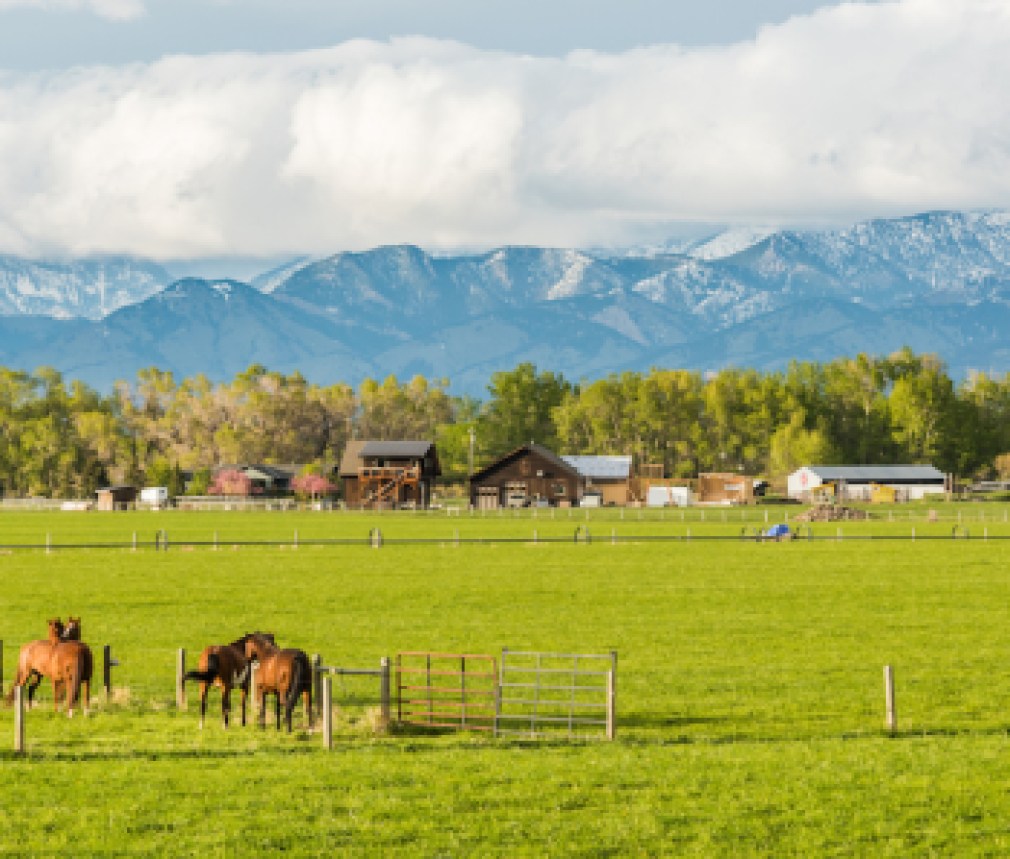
column 750, row 691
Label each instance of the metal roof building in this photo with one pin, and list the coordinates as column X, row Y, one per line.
column 601, row 467
column 855, row 482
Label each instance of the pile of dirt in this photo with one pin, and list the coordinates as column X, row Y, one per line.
column 831, row 513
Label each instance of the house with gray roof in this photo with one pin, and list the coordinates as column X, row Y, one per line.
column 857, row 482
column 607, row 478
column 388, row 474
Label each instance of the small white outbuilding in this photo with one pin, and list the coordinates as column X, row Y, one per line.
column 668, row 496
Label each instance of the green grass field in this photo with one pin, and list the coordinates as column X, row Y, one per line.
column 750, row 685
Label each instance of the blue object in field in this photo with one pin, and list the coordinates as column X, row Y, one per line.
column 780, row 530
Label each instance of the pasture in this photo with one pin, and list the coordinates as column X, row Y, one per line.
column 749, row 693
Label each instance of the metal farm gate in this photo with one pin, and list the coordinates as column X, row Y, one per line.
column 446, row 690
column 528, row 694
column 557, row 694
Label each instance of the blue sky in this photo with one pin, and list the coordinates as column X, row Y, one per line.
column 188, row 128
column 58, row 33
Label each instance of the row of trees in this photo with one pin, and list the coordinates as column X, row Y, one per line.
column 65, row 439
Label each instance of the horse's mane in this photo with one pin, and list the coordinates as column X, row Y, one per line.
column 241, row 642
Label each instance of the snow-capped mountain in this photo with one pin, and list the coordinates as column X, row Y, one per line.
column 938, row 282
column 90, row 288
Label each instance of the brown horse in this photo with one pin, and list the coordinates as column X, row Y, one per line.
column 67, row 663
column 33, row 660
column 283, row 673
column 225, row 666
column 71, row 664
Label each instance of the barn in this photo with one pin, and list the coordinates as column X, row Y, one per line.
column 529, row 475
column 860, row 482
column 389, row 474
column 117, row 497
column 608, row 478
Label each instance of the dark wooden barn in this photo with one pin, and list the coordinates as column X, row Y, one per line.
column 117, row 497
column 528, row 475
column 389, row 473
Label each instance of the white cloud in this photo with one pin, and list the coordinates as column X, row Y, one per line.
column 856, row 110
column 115, row 10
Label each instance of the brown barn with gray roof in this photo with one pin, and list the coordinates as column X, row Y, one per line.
column 388, row 473
column 528, row 475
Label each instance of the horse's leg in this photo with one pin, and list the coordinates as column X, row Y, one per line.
column 243, row 697
column 277, row 707
column 33, row 680
column 226, row 703
column 203, row 702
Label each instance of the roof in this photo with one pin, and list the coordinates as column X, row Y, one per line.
column 406, row 449
column 358, row 449
column 541, row 451
column 878, row 473
column 350, row 462
column 601, row 467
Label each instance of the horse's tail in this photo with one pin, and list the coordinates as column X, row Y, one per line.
column 301, row 679
column 210, row 675
column 76, row 669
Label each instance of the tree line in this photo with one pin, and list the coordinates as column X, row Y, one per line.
column 61, row 438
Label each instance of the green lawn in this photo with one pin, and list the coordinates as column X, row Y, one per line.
column 750, row 685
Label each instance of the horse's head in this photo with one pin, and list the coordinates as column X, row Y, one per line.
column 55, row 629
column 258, row 644
column 72, row 629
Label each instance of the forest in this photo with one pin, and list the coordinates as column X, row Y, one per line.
column 60, row 438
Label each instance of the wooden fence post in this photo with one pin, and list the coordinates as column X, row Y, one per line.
column 108, row 663
column 180, row 674
column 612, row 696
column 328, row 712
column 19, row 720
column 891, row 719
column 384, row 692
column 317, row 681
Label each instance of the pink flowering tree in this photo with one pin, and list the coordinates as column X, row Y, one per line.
column 312, row 486
column 230, row 481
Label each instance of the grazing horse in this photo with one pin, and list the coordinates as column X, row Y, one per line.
column 283, row 673
column 225, row 666
column 67, row 663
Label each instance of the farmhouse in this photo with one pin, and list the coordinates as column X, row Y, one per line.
column 265, row 480
column 530, row 474
column 389, row 473
column 861, row 482
column 608, row 478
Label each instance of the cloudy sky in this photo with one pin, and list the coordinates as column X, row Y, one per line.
column 184, row 128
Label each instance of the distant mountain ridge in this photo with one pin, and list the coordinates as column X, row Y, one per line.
column 937, row 282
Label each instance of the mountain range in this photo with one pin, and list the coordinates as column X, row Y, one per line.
column 936, row 282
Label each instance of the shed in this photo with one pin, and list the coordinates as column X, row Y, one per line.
column 530, row 474
column 860, row 482
column 117, row 497
column 609, row 477
column 668, row 496
column 725, row 488
column 389, row 473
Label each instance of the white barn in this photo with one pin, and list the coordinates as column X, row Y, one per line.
column 856, row 482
